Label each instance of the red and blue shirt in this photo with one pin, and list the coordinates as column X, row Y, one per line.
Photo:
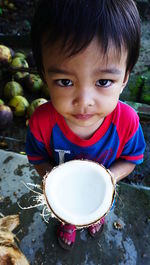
column 50, row 139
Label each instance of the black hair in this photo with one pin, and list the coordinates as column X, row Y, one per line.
column 77, row 22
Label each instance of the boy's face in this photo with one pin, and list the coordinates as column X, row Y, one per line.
column 85, row 87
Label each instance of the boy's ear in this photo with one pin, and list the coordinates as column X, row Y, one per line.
column 125, row 81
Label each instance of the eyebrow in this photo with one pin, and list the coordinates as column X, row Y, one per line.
column 113, row 70
column 54, row 70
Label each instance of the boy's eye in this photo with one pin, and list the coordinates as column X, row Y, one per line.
column 103, row 83
column 64, row 82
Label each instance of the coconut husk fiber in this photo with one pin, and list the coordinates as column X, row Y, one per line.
column 9, row 251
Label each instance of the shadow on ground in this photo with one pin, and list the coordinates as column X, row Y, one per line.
column 128, row 245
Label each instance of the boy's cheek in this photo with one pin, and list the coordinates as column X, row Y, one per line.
column 59, row 103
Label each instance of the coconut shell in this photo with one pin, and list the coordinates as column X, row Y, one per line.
column 83, row 179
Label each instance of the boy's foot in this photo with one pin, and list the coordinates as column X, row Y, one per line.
column 96, row 229
column 66, row 235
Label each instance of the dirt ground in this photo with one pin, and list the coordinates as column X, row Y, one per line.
column 15, row 21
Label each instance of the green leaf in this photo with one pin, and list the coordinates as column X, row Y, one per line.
column 1, row 11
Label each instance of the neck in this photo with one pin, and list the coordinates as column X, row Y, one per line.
column 85, row 132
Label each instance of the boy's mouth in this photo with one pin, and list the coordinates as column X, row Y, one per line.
column 82, row 116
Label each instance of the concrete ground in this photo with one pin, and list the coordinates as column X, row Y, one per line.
column 129, row 245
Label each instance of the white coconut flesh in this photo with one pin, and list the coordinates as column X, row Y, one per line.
column 79, row 192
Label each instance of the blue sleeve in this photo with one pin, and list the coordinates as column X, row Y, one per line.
column 35, row 149
column 134, row 149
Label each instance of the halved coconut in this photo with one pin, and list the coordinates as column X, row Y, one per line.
column 79, row 192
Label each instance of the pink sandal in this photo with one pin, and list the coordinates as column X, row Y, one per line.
column 98, row 227
column 67, row 232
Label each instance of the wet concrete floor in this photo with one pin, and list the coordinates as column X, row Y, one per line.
column 129, row 245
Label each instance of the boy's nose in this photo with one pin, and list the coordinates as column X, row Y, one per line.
column 84, row 99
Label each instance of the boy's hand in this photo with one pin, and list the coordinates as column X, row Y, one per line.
column 43, row 168
column 121, row 169
column 113, row 175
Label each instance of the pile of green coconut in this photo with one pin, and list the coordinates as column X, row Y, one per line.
column 18, row 77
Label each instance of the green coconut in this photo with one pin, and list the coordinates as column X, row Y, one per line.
column 5, row 55
column 20, row 77
column 34, row 104
column 1, row 102
column 18, row 62
column 20, row 54
column 19, row 105
column 34, row 83
column 12, row 89
column 6, row 117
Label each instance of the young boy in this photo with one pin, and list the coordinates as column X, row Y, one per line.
column 85, row 51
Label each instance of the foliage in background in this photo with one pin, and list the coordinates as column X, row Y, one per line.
column 139, row 87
